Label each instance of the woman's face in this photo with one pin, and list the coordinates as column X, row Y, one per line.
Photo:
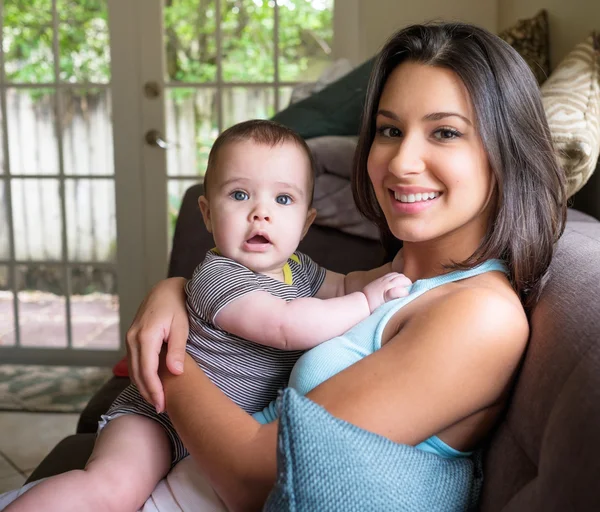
column 427, row 163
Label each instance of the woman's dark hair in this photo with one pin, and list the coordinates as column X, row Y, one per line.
column 530, row 207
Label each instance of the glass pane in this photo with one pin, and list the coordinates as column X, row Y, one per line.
column 190, row 40
column 192, row 123
column 3, row 169
column 285, row 94
column 4, row 233
column 87, row 131
column 248, row 40
column 305, row 38
column 42, row 312
column 36, row 219
column 242, row 103
column 94, row 308
column 32, row 143
column 27, row 41
column 7, row 311
column 176, row 191
column 91, row 219
column 83, row 45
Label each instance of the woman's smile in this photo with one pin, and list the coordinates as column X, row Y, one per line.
column 413, row 203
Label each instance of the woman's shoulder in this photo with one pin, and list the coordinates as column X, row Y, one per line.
column 484, row 307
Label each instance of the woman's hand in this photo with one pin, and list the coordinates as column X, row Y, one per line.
column 161, row 318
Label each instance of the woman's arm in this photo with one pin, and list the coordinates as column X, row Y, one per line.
column 448, row 362
column 161, row 318
column 235, row 452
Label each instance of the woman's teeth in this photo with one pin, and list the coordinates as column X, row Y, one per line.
column 413, row 198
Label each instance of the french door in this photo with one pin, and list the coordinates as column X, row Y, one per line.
column 59, row 264
column 105, row 121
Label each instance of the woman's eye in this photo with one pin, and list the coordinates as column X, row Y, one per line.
column 446, row 134
column 239, row 195
column 283, row 199
column 389, row 131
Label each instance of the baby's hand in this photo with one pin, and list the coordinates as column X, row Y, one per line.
column 390, row 286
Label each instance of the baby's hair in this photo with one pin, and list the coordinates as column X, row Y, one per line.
column 260, row 131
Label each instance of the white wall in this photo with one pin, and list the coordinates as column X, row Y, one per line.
column 570, row 20
column 362, row 26
column 381, row 18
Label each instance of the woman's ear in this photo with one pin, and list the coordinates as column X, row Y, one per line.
column 205, row 209
column 310, row 218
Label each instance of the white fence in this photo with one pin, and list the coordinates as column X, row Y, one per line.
column 87, row 151
column 86, row 130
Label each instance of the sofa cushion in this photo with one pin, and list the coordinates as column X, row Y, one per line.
column 335, row 110
column 571, row 98
column 333, row 190
column 549, row 438
column 531, row 38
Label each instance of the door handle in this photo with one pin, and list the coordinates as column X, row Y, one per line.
column 156, row 139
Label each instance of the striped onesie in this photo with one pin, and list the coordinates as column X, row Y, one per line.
column 248, row 373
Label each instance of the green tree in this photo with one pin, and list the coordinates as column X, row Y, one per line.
column 305, row 34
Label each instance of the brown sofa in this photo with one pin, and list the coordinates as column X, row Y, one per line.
column 545, row 455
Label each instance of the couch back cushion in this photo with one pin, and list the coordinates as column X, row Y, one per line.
column 329, row 247
column 545, row 455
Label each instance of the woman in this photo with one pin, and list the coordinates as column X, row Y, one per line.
column 455, row 161
column 452, row 112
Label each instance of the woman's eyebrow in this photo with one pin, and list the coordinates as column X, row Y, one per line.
column 434, row 116
column 387, row 113
column 437, row 116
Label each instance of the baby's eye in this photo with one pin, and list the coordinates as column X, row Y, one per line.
column 446, row 134
column 389, row 131
column 239, row 195
column 283, row 199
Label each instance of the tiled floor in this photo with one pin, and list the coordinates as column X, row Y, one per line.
column 25, row 439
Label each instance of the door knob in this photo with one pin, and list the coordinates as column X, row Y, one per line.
column 156, row 139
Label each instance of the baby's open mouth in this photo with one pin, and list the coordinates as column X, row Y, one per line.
column 258, row 239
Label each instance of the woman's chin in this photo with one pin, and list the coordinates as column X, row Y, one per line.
column 408, row 235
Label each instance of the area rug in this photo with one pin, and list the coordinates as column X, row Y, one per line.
column 49, row 388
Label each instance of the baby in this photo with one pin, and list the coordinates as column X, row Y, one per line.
column 254, row 304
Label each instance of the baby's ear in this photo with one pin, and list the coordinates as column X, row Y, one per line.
column 205, row 209
column 310, row 218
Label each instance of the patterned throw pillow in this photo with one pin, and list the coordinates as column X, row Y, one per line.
column 571, row 98
column 530, row 37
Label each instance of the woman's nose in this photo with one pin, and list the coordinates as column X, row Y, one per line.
column 408, row 157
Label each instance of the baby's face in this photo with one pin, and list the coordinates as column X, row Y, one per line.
column 257, row 207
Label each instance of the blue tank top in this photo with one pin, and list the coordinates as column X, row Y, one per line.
column 331, row 357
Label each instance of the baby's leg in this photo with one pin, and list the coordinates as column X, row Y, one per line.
column 132, row 453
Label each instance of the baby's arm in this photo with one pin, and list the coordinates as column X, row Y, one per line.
column 336, row 285
column 302, row 323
